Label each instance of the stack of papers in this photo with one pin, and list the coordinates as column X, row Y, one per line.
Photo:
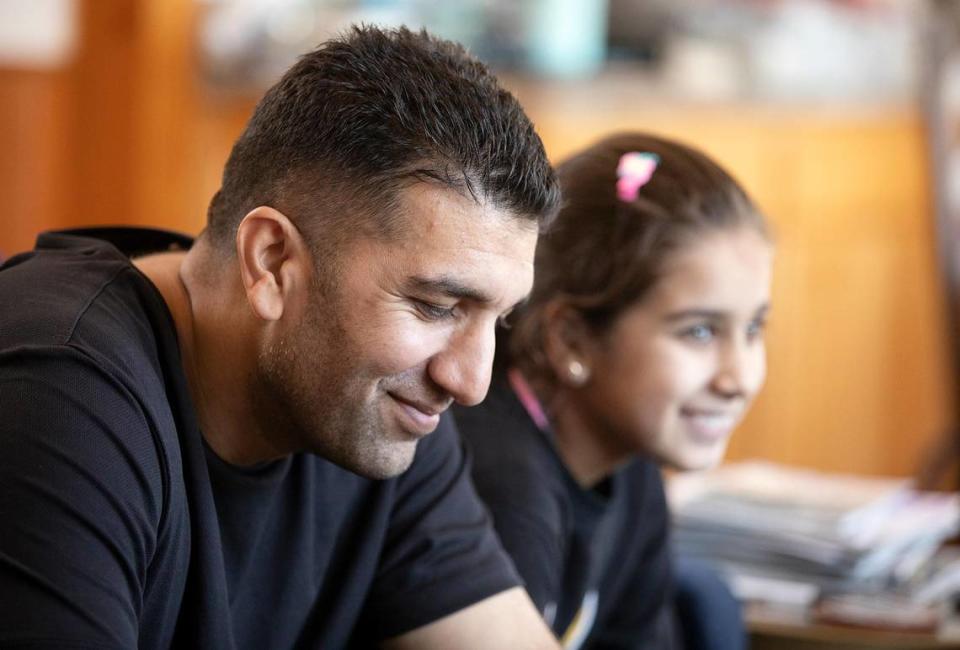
column 786, row 535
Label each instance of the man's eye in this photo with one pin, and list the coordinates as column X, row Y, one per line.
column 434, row 312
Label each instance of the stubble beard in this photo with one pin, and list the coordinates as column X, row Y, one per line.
column 309, row 392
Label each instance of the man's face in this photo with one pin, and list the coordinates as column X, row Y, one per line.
column 405, row 328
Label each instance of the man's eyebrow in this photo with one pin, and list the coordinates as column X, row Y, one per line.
column 449, row 287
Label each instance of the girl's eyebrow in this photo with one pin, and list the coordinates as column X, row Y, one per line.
column 710, row 314
column 684, row 314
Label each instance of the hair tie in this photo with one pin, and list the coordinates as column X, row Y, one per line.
column 633, row 172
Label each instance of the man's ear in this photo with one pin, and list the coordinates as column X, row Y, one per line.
column 569, row 344
column 275, row 262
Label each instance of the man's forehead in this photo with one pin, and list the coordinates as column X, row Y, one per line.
column 426, row 205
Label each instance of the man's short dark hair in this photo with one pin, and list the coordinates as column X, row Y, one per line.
column 353, row 121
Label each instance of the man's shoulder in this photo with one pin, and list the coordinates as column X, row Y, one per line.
column 89, row 341
column 80, row 293
column 69, row 286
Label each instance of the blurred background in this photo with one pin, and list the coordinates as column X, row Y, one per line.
column 839, row 117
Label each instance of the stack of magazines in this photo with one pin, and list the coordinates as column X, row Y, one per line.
column 789, row 536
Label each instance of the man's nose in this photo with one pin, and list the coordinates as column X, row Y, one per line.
column 464, row 366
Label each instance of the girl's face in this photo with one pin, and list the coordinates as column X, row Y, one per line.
column 676, row 373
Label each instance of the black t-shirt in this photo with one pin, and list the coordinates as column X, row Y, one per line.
column 595, row 562
column 119, row 528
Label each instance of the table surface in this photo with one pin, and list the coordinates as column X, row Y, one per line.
column 773, row 629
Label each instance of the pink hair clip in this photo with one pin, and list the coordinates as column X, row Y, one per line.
column 633, row 172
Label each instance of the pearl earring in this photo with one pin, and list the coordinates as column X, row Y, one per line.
column 578, row 372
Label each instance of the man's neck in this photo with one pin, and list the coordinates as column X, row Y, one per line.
column 215, row 360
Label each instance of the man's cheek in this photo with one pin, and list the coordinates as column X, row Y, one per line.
column 401, row 348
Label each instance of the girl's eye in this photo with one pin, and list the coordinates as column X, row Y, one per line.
column 699, row 333
column 755, row 329
column 434, row 312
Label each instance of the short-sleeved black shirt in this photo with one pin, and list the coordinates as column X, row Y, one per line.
column 595, row 561
column 119, row 528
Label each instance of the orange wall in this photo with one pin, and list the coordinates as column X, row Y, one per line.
column 33, row 128
column 109, row 138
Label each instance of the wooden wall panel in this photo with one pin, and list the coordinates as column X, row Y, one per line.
column 102, row 150
column 33, row 164
column 167, row 108
column 102, row 140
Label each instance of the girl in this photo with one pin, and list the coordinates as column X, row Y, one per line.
column 641, row 345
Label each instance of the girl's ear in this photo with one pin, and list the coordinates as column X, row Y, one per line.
column 568, row 343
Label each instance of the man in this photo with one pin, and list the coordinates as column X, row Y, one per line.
column 243, row 445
